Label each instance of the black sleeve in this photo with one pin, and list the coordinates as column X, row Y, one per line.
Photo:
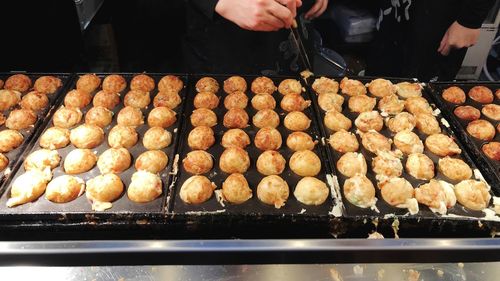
column 473, row 12
column 206, row 7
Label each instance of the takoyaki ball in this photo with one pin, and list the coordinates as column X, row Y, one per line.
column 206, row 100
column 234, row 160
column 41, row 159
column 77, row 98
column 374, row 142
column 106, row 99
column 86, row 136
column 367, row 121
column 138, row 99
column 114, row 83
column 351, row 164
column 167, row 99
column 428, row 124
column 235, row 118
column 18, row 82
column 79, row 161
column 130, row 116
column 64, row 189
column 266, row 118
column 420, row 166
column 235, row 137
column 207, row 84
column 454, row 95
column 454, row 168
column 161, row 117
column 1, row 83
column 104, row 188
column 481, row 94
column 262, row 101
column 361, row 103
column 388, row 164
column 198, row 162
column 273, row 190
column 8, row 99
column 473, row 194
column 300, row 141
column 263, row 85
column 201, row 138
column 170, row 83
column 88, row 83
column 156, row 138
column 47, row 84
column 4, row 161
column 492, row 150
column 153, row 161
column 294, row 102
column 99, row 116
column 359, row 191
column 381, row 88
column 408, row 90
column 305, row 163
column 396, row 191
column 481, row 129
column 144, row 187
column 290, row 86
column 311, row 191
column 122, row 136
column 325, row 85
column 491, row 111
column 142, row 82
column 418, row 105
column 408, row 142
column 403, row 121
column 20, row 119
column 235, row 189
column 235, row 84
column 34, row 101
column 114, row 160
column 28, row 187
column 343, row 141
column 270, row 162
column 268, row 138
column 2, row 119
column 196, row 190
column 391, row 105
column 203, row 117
column 436, row 194
column 442, row 145
column 498, row 128
column 352, row 87
column 10, row 140
column 296, row 121
column 336, row 121
column 497, row 93
column 329, row 102
column 467, row 112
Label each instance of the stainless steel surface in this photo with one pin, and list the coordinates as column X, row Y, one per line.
column 333, row 272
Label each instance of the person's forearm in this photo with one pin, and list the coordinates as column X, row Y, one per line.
column 473, row 12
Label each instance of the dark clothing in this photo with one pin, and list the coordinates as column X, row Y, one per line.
column 409, row 37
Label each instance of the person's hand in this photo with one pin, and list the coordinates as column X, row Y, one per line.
column 457, row 37
column 259, row 15
column 317, row 9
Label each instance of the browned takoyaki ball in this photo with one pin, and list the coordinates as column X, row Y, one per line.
column 263, row 85
column 408, row 90
column 55, row 138
column 234, row 160
column 454, row 95
column 473, row 194
column 351, row 164
column 201, row 138
column 374, row 142
column 114, row 160
column 329, row 102
column 206, row 100
column 442, row 145
column 86, row 136
column 114, row 83
column 361, row 103
column 88, row 83
column 325, row 85
column 130, row 116
column 336, row 121
column 203, row 117
column 144, row 187
column 10, row 140
column 1, row 84
column 41, row 159
column 156, row 138
column 65, row 188
column 401, row 122
column 270, row 162
column 235, row 118
column 198, row 162
column 408, row 142
column 236, row 100
column 343, row 141
column 207, row 84
column 481, row 94
column 235, row 137
column 290, row 86
column 161, row 117
column 491, row 111
column 381, row 88
column 142, row 82
column 8, row 99
column 454, row 168
column 367, row 121
column 273, row 190
column 167, row 99
column 296, row 121
column 104, row 188
column 4, row 162
column 67, row 117
column 235, row 84
column 106, row 99
column 263, row 101
column 418, row 105
column 77, row 98
column 352, row 87
column 196, row 190
column 79, row 161
column 138, row 99
column 99, row 116
column 467, row 112
column 268, row 139
column 300, row 141
column 20, row 119
column 305, row 163
column 235, row 189
column 34, row 101
column 170, row 83
column 481, row 129
column 420, row 166
column 391, row 104
column 294, row 102
column 311, row 191
column 122, row 136
column 47, row 84
column 18, row 82
column 153, row 161
column 492, row 150
column 427, row 124
column 266, row 118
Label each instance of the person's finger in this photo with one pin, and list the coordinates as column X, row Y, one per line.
column 322, row 9
column 291, row 5
column 298, row 3
column 443, row 42
column 271, row 20
column 282, row 13
column 265, row 27
column 446, row 49
column 314, row 9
